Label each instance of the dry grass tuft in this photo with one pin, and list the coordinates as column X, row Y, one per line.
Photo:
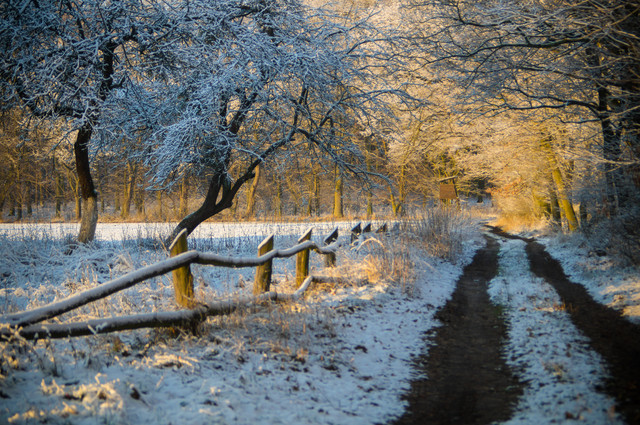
column 440, row 231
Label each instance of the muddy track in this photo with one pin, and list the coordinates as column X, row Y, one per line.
column 468, row 380
column 616, row 339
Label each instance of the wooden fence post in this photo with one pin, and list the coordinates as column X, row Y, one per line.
column 182, row 277
column 262, row 282
column 302, row 259
column 330, row 259
column 356, row 232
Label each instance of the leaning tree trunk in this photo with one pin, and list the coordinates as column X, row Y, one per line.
column 563, row 197
column 89, row 218
column 210, row 207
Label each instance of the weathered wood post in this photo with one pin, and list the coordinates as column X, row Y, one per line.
column 330, row 259
column 262, row 282
column 182, row 277
column 302, row 259
column 356, row 231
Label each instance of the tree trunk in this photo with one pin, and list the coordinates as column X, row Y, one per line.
column 89, row 219
column 555, row 207
column 129, row 190
column 251, row 195
column 565, row 204
column 160, row 209
column 396, row 207
column 19, row 212
column 279, row 207
column 59, row 195
column 139, row 201
column 611, row 141
column 28, row 199
column 611, row 152
column 338, row 208
column 184, row 198
column 316, row 193
column 210, row 207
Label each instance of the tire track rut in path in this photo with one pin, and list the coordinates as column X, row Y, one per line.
column 615, row 338
column 611, row 335
column 467, row 380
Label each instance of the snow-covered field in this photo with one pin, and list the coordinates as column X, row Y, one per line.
column 342, row 356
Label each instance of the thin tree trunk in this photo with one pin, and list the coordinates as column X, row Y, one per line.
column 611, row 142
column 251, row 195
column 139, row 201
column 279, row 207
column 129, row 189
column 89, row 218
column 338, row 208
column 28, row 199
column 565, row 204
column 555, row 207
column 369, row 193
column 316, row 193
column 160, row 209
column 59, row 194
column 184, row 198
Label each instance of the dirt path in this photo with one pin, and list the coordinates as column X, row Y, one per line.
column 468, row 380
column 616, row 339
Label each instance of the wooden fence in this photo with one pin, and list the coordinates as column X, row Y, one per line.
column 27, row 324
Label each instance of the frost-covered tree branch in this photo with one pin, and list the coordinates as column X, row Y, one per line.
column 578, row 61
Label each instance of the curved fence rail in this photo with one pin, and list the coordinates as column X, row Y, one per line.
column 26, row 323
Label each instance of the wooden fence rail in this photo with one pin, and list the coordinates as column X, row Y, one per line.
column 26, row 323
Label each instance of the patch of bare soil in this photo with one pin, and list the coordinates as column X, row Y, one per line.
column 466, row 378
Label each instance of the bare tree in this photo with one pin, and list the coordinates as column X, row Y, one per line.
column 72, row 60
column 578, row 59
column 259, row 80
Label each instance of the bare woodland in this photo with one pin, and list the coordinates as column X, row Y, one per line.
column 252, row 109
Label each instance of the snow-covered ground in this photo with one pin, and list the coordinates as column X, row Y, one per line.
column 608, row 282
column 563, row 376
column 342, row 356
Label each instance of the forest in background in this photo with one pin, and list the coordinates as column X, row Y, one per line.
column 254, row 109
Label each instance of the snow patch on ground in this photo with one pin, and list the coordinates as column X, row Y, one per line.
column 608, row 282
